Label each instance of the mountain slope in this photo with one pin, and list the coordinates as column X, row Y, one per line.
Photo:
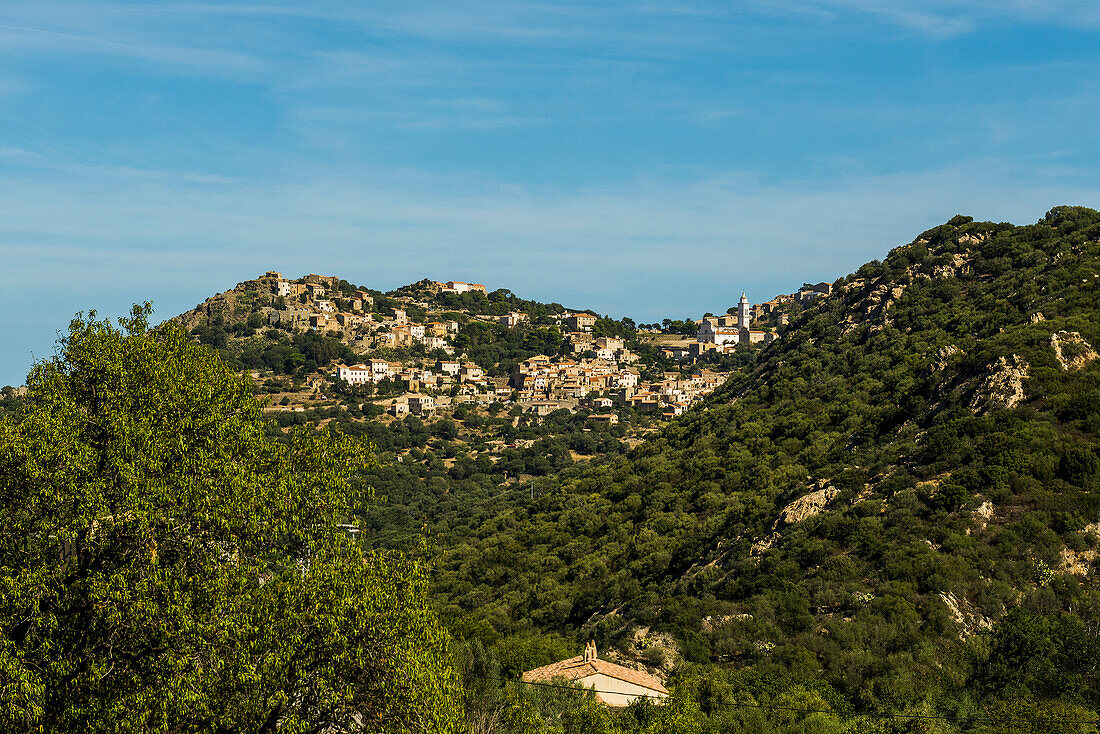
column 913, row 461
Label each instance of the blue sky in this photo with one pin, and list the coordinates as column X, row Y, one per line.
column 648, row 159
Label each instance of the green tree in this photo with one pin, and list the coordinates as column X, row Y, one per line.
column 164, row 565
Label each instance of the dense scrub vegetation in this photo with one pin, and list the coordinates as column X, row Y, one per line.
column 952, row 563
column 498, row 349
column 11, row 402
column 300, row 353
column 493, row 303
column 431, row 470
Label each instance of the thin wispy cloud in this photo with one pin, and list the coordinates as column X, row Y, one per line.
column 948, row 18
column 729, row 220
column 676, row 149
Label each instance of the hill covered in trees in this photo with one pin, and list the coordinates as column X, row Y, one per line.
column 897, row 505
column 886, row 521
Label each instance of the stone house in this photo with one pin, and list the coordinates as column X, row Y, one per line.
column 290, row 319
column 543, row 407
column 457, row 286
column 323, row 322
column 434, row 342
column 366, row 298
column 613, row 684
column 513, row 319
column 470, row 372
column 579, row 321
column 611, row 343
column 451, row 368
column 421, row 404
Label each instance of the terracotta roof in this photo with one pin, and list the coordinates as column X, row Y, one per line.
column 577, row 668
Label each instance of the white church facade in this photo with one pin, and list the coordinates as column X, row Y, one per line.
column 724, row 332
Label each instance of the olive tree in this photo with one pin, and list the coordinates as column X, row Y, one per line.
column 165, row 565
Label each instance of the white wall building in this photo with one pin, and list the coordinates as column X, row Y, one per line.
column 380, row 369
column 614, row 684
column 723, row 330
column 360, row 374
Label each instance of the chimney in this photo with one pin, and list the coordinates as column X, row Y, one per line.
column 590, row 651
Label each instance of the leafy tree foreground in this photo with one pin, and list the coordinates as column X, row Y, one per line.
column 167, row 566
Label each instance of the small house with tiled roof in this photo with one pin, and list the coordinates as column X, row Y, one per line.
column 613, row 684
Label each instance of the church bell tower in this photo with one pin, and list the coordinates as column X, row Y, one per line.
column 743, row 317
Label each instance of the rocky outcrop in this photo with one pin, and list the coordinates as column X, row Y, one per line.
column 801, row 509
column 973, row 239
column 965, row 615
column 960, row 265
column 718, row 621
column 757, row 548
column 1076, row 563
column 944, row 355
column 1071, row 350
column 1002, row 387
column 807, row 506
column 647, row 651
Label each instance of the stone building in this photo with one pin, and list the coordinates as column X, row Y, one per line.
column 613, row 684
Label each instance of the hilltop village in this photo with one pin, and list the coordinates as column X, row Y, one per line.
column 319, row 348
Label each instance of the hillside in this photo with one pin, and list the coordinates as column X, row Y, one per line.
column 899, row 501
column 882, row 516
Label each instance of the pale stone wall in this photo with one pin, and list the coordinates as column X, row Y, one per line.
column 620, row 692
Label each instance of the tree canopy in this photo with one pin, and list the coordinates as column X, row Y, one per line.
column 167, row 566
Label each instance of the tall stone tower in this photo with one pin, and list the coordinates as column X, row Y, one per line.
column 743, row 308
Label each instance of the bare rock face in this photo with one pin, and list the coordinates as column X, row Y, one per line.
column 982, row 515
column 221, row 304
column 715, row 622
column 1037, row 317
column 757, row 549
column 960, row 263
column 965, row 615
column 944, row 355
column 807, row 506
column 1071, row 350
column 1076, row 563
column 649, row 652
column 984, row 511
column 973, row 239
column 1002, row 387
